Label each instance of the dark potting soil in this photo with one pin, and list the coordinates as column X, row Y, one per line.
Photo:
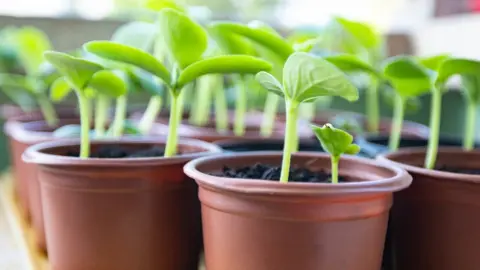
column 272, row 173
column 115, row 151
column 456, row 170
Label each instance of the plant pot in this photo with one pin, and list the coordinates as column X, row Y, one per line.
column 266, row 144
column 258, row 225
column 372, row 145
column 435, row 222
column 119, row 213
column 11, row 112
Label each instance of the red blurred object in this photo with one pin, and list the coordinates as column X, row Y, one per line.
column 474, row 5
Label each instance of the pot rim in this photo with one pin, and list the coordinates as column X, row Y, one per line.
column 399, row 181
column 33, row 154
column 472, row 178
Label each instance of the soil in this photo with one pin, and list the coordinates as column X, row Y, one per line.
column 272, row 173
column 457, row 170
column 114, row 151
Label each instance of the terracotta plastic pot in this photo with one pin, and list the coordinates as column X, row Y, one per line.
column 435, row 223
column 266, row 144
column 122, row 214
column 259, row 225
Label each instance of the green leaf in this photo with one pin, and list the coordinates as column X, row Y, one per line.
column 306, row 77
column 408, row 77
column 471, row 83
column 269, row 82
column 147, row 82
column 68, row 131
column 351, row 63
column 76, row 70
column 457, row 66
column 242, row 64
column 16, row 81
column 412, row 104
column 59, row 89
column 231, row 43
column 136, row 34
column 365, row 34
column 335, row 141
column 32, row 43
column 129, row 55
column 184, row 39
column 108, row 83
column 434, row 62
column 260, row 35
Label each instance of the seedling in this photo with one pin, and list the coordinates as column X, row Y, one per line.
column 185, row 53
column 305, row 78
column 336, row 142
column 87, row 79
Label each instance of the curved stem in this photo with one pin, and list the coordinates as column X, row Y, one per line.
column 240, row 107
column 373, row 111
column 221, row 109
column 84, row 104
column 150, row 114
column 290, row 133
column 102, row 107
column 469, row 136
column 396, row 129
column 120, row 114
column 334, row 160
column 48, row 111
column 435, row 114
column 269, row 114
column 174, row 122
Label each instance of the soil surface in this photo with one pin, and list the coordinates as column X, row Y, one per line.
column 457, row 170
column 115, row 151
column 272, row 173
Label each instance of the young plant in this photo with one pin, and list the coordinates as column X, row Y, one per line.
column 185, row 53
column 87, row 79
column 305, row 78
column 336, row 142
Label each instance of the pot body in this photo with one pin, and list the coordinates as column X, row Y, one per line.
column 258, row 225
column 119, row 214
column 434, row 223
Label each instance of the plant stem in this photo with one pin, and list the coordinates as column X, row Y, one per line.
column 221, row 109
column 269, row 114
column 435, row 114
column 334, row 160
column 150, row 114
column 469, row 136
column 396, row 129
column 84, row 104
column 48, row 111
column 174, row 121
column 373, row 111
column 200, row 112
column 102, row 107
column 290, row 133
column 240, row 107
column 120, row 114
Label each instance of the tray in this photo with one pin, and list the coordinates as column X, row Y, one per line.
column 23, row 233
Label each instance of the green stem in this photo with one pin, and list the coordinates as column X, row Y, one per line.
column 373, row 111
column 203, row 96
column 269, row 114
column 48, row 110
column 396, row 129
column 240, row 107
column 120, row 114
column 221, row 109
column 150, row 114
column 334, row 160
column 174, row 122
column 469, row 136
column 84, row 104
column 102, row 107
column 435, row 114
column 290, row 133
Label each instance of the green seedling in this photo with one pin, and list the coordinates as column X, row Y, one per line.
column 87, row 79
column 305, row 79
column 184, row 52
column 336, row 142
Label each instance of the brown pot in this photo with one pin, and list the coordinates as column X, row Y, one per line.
column 130, row 213
column 435, row 223
column 11, row 112
column 259, row 225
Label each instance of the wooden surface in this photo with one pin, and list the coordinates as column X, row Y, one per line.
column 17, row 249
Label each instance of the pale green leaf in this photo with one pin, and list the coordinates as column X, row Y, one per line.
column 241, row 64
column 352, row 149
column 434, row 62
column 60, row 89
column 76, row 70
column 108, row 83
column 408, row 77
column 364, row 33
column 306, row 77
column 457, row 66
column 351, row 63
column 184, row 39
column 129, row 55
column 269, row 82
column 32, row 43
column 411, row 105
column 471, row 83
column 231, row 43
column 335, row 141
column 136, row 34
